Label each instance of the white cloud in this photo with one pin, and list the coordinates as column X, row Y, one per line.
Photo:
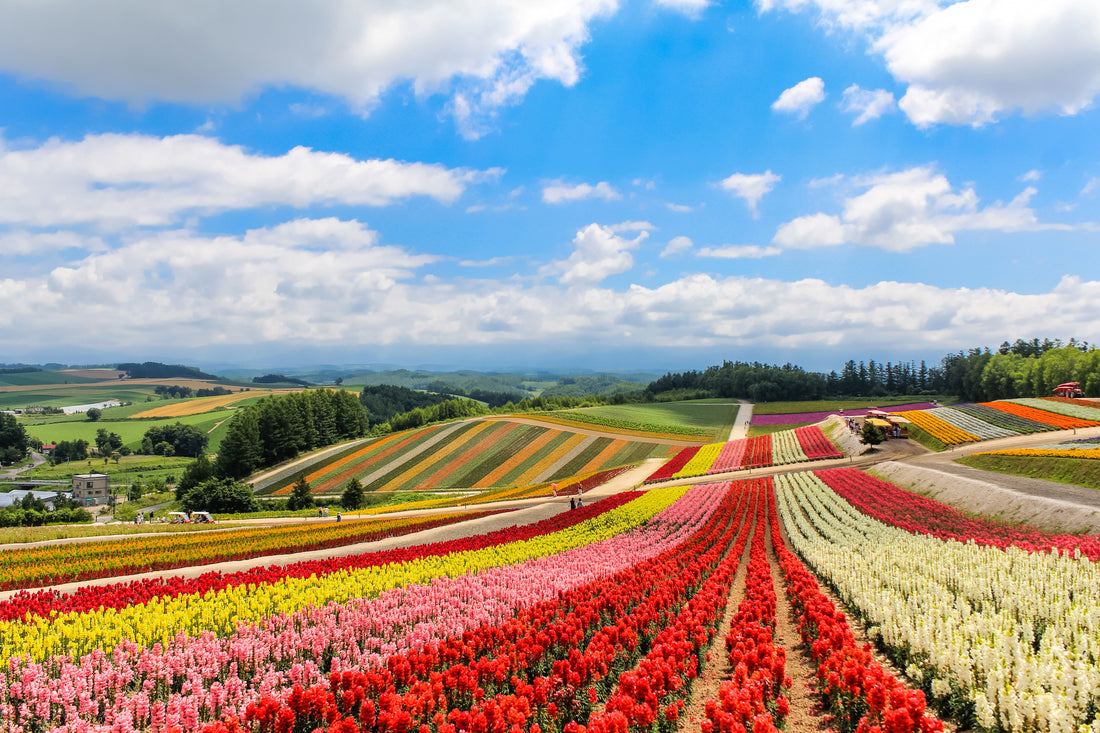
column 490, row 52
column 558, row 192
column 690, row 8
column 679, row 208
column 751, row 187
column 632, row 226
column 908, row 209
column 39, row 243
column 316, row 284
column 975, row 61
column 1030, row 177
column 136, row 180
column 801, row 98
column 739, row 251
column 598, row 252
column 676, row 245
column 1092, row 185
column 867, row 104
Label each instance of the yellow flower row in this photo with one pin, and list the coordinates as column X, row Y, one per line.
column 161, row 619
column 1093, row 453
column 701, row 462
column 942, row 430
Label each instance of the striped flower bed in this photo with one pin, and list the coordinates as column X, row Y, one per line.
column 1002, row 419
column 1063, row 422
column 973, row 425
column 939, row 429
column 776, row 449
column 1063, row 406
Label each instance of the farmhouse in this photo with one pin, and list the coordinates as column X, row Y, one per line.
column 91, row 488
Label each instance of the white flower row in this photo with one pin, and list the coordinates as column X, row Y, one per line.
column 971, row 424
column 1015, row 633
column 786, row 449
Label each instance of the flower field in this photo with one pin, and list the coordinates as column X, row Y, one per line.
column 987, row 420
column 65, row 563
column 482, row 454
column 595, row 620
column 807, row 443
column 1084, row 409
column 999, row 629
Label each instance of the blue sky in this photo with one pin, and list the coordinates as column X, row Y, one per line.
column 584, row 183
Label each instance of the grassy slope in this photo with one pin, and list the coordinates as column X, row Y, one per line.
column 22, row 379
column 124, row 472
column 786, row 408
column 715, row 417
column 131, row 431
column 1076, row 471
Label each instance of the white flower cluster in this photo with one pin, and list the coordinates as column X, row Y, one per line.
column 1017, row 633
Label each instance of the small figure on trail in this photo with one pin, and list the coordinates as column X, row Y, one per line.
column 572, row 503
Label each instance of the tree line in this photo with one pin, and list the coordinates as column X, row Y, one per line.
column 1024, row 368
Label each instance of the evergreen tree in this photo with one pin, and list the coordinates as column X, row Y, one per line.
column 870, row 434
column 300, row 496
column 352, row 498
column 241, row 449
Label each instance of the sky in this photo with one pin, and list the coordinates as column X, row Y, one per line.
column 589, row 184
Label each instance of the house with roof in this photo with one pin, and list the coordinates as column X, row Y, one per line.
column 91, row 489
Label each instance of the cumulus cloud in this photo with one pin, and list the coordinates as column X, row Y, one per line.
column 867, row 104
column 559, row 192
column 975, row 61
column 488, row 53
column 598, row 252
column 676, row 245
column 330, row 283
column 739, row 251
column 908, row 209
column 801, row 98
column 117, row 180
column 751, row 187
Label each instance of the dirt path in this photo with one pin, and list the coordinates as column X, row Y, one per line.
column 742, row 422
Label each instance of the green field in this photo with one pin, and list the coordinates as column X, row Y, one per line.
column 23, row 379
column 124, row 472
column 1076, row 471
column 65, row 395
column 787, row 408
column 716, row 418
column 132, row 431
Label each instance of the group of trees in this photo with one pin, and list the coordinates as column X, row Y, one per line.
column 33, row 512
column 278, row 428
column 156, row 370
column 174, row 440
column 14, row 442
column 280, row 379
column 756, row 382
column 69, row 450
column 1023, row 369
column 1020, row 369
column 180, row 392
column 384, row 401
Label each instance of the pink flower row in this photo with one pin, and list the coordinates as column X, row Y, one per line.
column 195, row 678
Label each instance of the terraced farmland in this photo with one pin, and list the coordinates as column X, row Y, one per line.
column 474, row 454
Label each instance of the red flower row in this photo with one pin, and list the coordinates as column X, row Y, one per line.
column 540, row 671
column 913, row 513
column 814, row 443
column 758, row 452
column 861, row 695
column 654, row 692
column 674, row 464
column 752, row 698
column 29, row 604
